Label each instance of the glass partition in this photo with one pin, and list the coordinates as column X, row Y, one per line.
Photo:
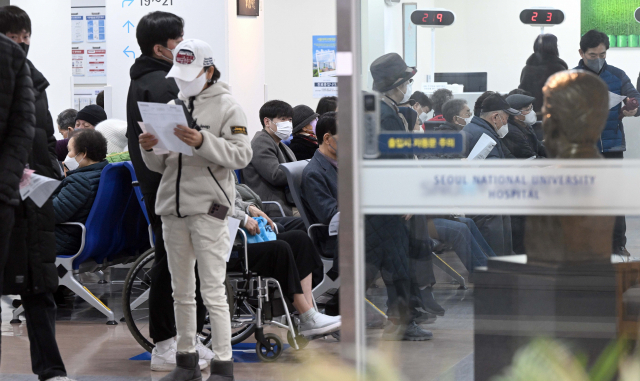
column 482, row 234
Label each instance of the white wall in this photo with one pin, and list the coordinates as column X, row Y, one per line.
column 246, row 62
column 50, row 49
column 289, row 27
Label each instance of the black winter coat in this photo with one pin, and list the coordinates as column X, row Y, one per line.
column 17, row 118
column 303, row 147
column 536, row 72
column 32, row 244
column 522, row 141
column 72, row 202
column 148, row 84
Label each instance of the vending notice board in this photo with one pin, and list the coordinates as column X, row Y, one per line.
column 325, row 82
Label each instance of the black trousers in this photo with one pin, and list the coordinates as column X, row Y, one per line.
column 287, row 224
column 620, row 227
column 7, row 216
column 289, row 259
column 40, row 312
column 162, row 321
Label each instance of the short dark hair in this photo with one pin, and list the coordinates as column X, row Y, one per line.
column 592, row 39
column 520, row 92
column 100, row 99
column 14, row 20
column 328, row 123
column 275, row 109
column 67, row 118
column 327, row 104
column 421, row 98
column 477, row 107
column 157, row 28
column 546, row 44
column 452, row 108
column 440, row 97
column 90, row 142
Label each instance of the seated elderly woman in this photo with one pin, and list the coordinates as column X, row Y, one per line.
column 74, row 197
column 290, row 260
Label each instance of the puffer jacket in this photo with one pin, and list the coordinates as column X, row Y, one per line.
column 538, row 69
column 17, row 118
column 190, row 185
column 522, row 141
column 33, row 235
column 473, row 132
column 612, row 138
column 72, row 202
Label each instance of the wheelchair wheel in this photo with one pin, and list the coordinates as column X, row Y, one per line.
column 135, row 303
column 269, row 354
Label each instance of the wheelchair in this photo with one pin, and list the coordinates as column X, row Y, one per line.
column 254, row 302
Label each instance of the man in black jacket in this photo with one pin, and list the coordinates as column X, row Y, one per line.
column 32, row 242
column 158, row 33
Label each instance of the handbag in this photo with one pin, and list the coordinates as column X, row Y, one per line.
column 266, row 233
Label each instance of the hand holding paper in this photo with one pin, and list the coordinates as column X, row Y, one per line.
column 160, row 121
column 483, row 147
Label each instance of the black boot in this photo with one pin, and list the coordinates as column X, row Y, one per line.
column 221, row 371
column 187, row 368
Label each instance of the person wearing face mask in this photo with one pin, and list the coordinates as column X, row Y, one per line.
column 263, row 174
column 457, row 114
column 593, row 51
column 157, row 33
column 194, row 201
column 493, row 121
column 423, row 106
column 521, row 139
column 304, row 143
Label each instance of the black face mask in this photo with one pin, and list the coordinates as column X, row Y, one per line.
column 24, row 47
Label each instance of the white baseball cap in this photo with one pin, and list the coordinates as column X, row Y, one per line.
column 189, row 57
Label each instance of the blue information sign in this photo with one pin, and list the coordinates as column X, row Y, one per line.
column 420, row 144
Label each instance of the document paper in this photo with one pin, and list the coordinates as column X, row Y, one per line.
column 38, row 188
column 334, row 225
column 484, row 145
column 615, row 99
column 160, row 120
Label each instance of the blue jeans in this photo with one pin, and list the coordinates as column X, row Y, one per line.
column 460, row 237
column 478, row 236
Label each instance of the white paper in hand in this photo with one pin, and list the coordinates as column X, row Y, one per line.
column 160, row 120
column 39, row 189
column 334, row 225
column 233, row 224
column 615, row 99
column 158, row 149
column 484, row 145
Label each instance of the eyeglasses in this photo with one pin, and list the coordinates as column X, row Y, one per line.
column 527, row 110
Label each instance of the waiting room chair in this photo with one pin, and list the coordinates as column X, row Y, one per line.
column 294, row 178
column 105, row 234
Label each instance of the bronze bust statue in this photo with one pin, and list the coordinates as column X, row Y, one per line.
column 575, row 109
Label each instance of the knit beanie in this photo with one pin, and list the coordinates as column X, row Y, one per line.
column 92, row 114
column 114, row 130
column 302, row 117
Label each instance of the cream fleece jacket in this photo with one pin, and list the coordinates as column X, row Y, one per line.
column 188, row 185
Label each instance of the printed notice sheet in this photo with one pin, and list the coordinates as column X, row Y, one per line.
column 484, row 145
column 160, row 120
column 38, row 188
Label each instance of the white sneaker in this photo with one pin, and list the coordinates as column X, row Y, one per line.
column 60, row 378
column 205, row 353
column 166, row 362
column 320, row 324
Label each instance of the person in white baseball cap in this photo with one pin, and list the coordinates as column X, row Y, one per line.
column 194, row 201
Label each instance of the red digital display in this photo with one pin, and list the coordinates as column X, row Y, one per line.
column 432, row 17
column 542, row 16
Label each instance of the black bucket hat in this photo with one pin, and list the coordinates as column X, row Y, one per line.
column 302, row 117
column 389, row 72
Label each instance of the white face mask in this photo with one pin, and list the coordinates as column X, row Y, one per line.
column 407, row 95
column 466, row 120
column 530, row 119
column 193, row 88
column 504, row 130
column 71, row 163
column 423, row 117
column 283, row 130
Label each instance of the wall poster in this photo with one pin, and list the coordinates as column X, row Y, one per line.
column 325, row 82
column 615, row 18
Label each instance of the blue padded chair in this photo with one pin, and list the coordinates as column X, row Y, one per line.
column 103, row 234
column 239, row 175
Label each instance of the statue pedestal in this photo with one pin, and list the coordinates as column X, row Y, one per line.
column 515, row 301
